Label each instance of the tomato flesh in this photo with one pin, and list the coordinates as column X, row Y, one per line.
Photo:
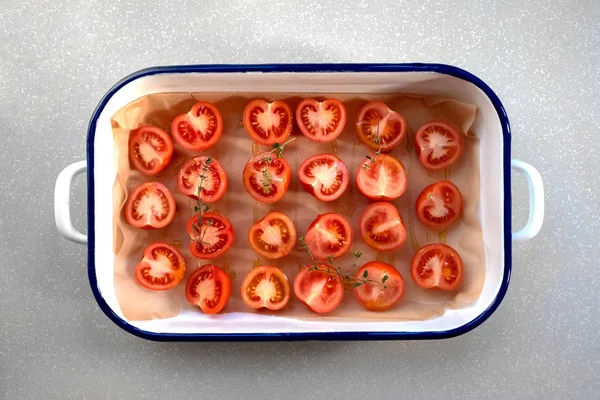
column 325, row 176
column 438, row 145
column 208, row 288
column 266, row 287
column 267, row 181
column 150, row 149
column 377, row 293
column 381, row 177
column 329, row 234
column 321, row 121
column 437, row 266
column 381, row 227
column 320, row 288
column 440, row 205
column 198, row 129
column 162, row 267
column 214, row 183
column 268, row 123
column 379, row 127
column 150, row 205
column 210, row 238
column 274, row 236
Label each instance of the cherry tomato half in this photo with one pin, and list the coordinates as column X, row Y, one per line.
column 383, row 288
column 381, row 177
column 266, row 287
column 329, row 234
column 208, row 288
column 437, row 266
column 162, row 267
column 267, row 178
column 210, row 238
column 324, row 176
column 438, row 145
column 214, row 183
column 381, row 227
column 268, row 123
column 150, row 205
column 198, row 129
column 274, row 236
column 150, row 149
column 440, row 205
column 321, row 121
column 320, row 289
column 379, row 127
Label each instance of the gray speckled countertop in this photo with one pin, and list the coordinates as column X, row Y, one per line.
column 59, row 58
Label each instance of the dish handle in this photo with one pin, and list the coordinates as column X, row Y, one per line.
column 536, row 202
column 62, row 202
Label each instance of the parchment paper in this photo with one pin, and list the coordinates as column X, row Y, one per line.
column 235, row 148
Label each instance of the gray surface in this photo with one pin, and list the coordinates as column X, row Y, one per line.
column 59, row 58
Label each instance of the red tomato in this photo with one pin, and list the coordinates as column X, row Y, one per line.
column 321, row 289
column 161, row 268
column 268, row 123
column 324, row 176
column 381, row 227
column 381, row 177
column 438, row 145
column 213, row 238
column 329, row 234
column 440, row 205
column 208, row 288
column 437, row 266
column 198, row 129
column 382, row 286
column 321, row 121
column 274, row 236
column 150, row 149
column 377, row 126
column 150, row 205
column 267, row 181
column 266, row 287
column 214, row 184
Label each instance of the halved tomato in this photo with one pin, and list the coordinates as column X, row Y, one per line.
column 161, row 268
column 211, row 237
column 440, row 205
column 321, row 289
column 324, row 176
column 381, row 227
column 150, row 149
column 438, row 145
column 268, row 123
column 380, row 127
column 381, row 286
column 267, row 178
column 198, row 129
column 274, row 236
column 205, row 172
column 150, row 205
column 437, row 266
column 381, row 177
column 329, row 234
column 208, row 288
column 321, row 121
column 267, row 287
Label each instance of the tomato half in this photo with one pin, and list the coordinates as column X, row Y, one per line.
column 325, row 176
column 150, row 149
column 213, row 185
column 213, row 237
column 378, row 294
column 208, row 288
column 268, row 123
column 381, row 177
column 150, row 205
column 437, row 266
column 162, row 267
column 440, row 205
column 267, row 181
column 321, row 289
column 200, row 128
column 377, row 126
column 266, row 287
column 381, row 227
column 438, row 145
column 321, row 121
column 329, row 234
column 274, row 236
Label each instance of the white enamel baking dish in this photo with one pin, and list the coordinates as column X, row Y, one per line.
column 432, row 79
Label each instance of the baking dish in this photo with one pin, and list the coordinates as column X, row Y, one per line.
column 431, row 79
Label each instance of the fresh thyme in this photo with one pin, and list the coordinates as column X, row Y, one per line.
column 276, row 152
column 201, row 207
column 377, row 142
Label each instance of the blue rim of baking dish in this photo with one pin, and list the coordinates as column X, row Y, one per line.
column 289, row 336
